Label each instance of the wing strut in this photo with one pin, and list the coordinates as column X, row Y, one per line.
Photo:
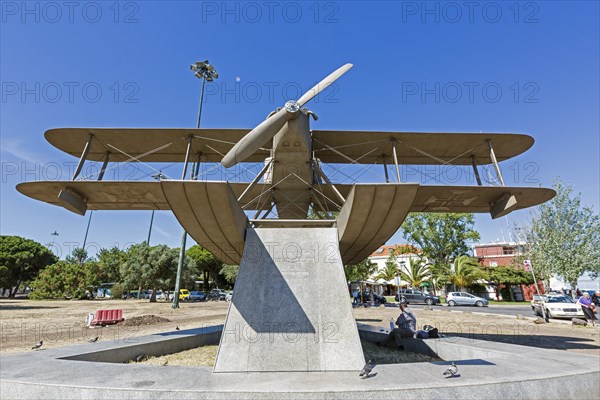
column 322, row 174
column 84, row 154
column 396, row 160
column 475, row 170
column 495, row 162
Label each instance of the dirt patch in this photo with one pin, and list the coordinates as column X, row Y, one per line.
column 145, row 320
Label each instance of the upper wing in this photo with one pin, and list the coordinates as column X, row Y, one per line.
column 150, row 145
column 416, row 147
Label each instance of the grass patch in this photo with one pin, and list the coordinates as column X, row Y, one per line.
column 508, row 303
column 201, row 356
column 385, row 355
column 205, row 356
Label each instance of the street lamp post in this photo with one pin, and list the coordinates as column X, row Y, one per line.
column 87, row 230
column 51, row 244
column 530, row 265
column 402, row 264
column 158, row 177
column 206, row 72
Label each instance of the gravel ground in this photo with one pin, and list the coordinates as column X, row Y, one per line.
column 62, row 323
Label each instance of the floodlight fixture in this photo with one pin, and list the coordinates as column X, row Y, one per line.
column 159, row 176
column 204, row 70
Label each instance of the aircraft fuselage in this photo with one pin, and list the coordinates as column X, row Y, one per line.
column 292, row 172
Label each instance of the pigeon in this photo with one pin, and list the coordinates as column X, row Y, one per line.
column 38, row 345
column 140, row 358
column 177, row 328
column 367, row 368
column 452, row 371
column 94, row 340
column 429, row 307
column 539, row 321
column 165, row 363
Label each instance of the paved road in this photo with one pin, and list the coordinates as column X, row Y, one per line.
column 524, row 310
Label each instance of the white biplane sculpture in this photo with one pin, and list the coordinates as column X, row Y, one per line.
column 291, row 185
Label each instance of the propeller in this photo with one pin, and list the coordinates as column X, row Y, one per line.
column 265, row 131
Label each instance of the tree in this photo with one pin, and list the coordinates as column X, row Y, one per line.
column 131, row 270
column 79, row 255
column 466, row 272
column 206, row 264
column 441, row 237
column 389, row 272
column 564, row 237
column 415, row 273
column 507, row 275
column 360, row 271
column 20, row 261
column 230, row 273
column 65, row 279
column 152, row 267
column 69, row 278
column 111, row 260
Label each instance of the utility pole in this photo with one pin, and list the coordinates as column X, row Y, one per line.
column 206, row 72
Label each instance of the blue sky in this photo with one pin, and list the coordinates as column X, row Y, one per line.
column 528, row 67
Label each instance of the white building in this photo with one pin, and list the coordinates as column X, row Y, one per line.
column 381, row 256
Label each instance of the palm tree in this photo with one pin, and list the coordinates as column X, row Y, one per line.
column 416, row 272
column 389, row 272
column 467, row 271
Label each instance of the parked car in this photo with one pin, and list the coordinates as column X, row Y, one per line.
column 377, row 299
column 160, row 295
column 416, row 296
column 217, row 295
column 184, row 294
column 133, row 294
column 559, row 306
column 465, row 299
column 197, row 296
column 537, row 299
column 229, row 296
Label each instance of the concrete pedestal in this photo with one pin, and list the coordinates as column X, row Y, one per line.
column 290, row 309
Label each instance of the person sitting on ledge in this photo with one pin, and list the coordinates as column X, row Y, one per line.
column 406, row 327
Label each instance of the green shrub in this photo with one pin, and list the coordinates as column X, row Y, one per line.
column 116, row 292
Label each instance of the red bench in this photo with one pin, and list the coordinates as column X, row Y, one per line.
column 107, row 317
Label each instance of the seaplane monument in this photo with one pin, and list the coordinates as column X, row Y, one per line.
column 290, row 310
